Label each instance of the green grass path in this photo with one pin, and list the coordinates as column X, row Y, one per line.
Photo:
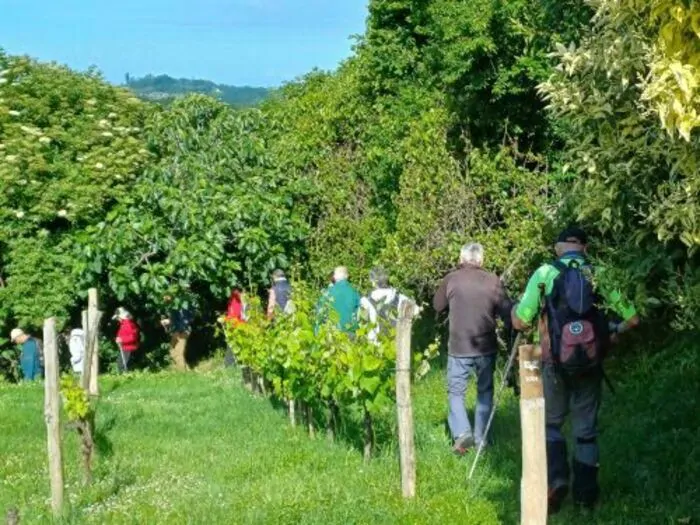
column 198, row 448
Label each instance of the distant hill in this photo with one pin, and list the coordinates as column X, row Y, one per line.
column 163, row 89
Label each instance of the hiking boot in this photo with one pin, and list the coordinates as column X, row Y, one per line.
column 462, row 444
column 556, row 497
column 585, row 488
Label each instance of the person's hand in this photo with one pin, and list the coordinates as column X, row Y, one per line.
column 118, row 340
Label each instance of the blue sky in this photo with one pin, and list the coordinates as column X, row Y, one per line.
column 241, row 42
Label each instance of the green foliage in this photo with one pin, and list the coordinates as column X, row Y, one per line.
column 75, row 399
column 634, row 183
column 70, row 146
column 165, row 89
column 319, row 366
column 211, row 212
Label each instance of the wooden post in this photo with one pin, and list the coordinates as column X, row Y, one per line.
column 91, row 359
column 310, row 420
column 52, row 406
column 404, row 407
column 94, row 316
column 368, row 436
column 292, row 413
column 533, row 488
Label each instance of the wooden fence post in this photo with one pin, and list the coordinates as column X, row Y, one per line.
column 292, row 412
column 533, row 488
column 52, row 407
column 404, row 407
column 94, row 315
column 92, row 332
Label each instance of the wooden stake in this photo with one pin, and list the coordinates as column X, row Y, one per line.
column 292, row 413
column 52, row 406
column 310, row 420
column 533, row 488
column 404, row 406
column 369, row 437
column 94, row 316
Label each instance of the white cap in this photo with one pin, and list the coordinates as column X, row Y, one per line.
column 15, row 334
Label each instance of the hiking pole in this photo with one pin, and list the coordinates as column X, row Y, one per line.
column 121, row 352
column 511, row 359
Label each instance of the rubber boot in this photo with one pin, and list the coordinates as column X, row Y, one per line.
column 557, row 475
column 585, row 487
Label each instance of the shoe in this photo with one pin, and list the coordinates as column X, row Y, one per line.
column 555, row 498
column 462, row 444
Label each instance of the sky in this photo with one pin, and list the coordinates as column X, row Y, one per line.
column 238, row 42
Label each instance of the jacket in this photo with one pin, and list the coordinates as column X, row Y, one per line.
column 30, row 360
column 236, row 310
column 128, row 334
column 345, row 301
column 475, row 298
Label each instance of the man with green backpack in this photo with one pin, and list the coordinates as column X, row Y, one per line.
column 575, row 335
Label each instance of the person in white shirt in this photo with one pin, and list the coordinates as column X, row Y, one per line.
column 76, row 346
column 382, row 304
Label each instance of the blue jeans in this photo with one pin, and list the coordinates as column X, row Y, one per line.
column 458, row 371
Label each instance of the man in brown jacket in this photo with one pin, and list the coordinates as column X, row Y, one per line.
column 475, row 299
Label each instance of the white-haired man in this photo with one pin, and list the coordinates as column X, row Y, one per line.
column 31, row 359
column 343, row 298
column 475, row 298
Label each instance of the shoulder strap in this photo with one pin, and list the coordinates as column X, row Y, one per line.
column 560, row 265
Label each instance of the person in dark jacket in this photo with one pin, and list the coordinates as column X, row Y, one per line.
column 179, row 325
column 280, row 293
column 30, row 360
column 475, row 298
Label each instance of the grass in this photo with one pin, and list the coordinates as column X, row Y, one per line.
column 198, row 448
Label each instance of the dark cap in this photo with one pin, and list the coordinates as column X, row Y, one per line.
column 573, row 234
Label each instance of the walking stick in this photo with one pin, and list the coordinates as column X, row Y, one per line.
column 121, row 352
column 511, row 359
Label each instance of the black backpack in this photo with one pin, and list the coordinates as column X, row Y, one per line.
column 387, row 313
column 575, row 323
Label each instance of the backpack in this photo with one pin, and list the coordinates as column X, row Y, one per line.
column 387, row 312
column 576, row 339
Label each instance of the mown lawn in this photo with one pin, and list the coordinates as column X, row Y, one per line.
column 198, row 448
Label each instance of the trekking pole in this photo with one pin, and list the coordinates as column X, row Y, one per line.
column 121, row 352
column 511, row 359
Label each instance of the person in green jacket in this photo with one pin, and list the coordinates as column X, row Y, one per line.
column 574, row 396
column 343, row 299
column 31, row 358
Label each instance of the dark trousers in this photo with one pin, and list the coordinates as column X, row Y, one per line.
column 579, row 398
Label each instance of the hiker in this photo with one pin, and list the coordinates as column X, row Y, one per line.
column 235, row 315
column 475, row 299
column 76, row 347
column 128, row 338
column 382, row 304
column 31, row 359
column 179, row 326
column 574, row 336
column 343, row 299
column 279, row 295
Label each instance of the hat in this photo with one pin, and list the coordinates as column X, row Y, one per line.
column 121, row 314
column 15, row 334
column 573, row 234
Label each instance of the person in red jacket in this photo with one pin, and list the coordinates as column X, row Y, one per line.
column 128, row 338
column 235, row 314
